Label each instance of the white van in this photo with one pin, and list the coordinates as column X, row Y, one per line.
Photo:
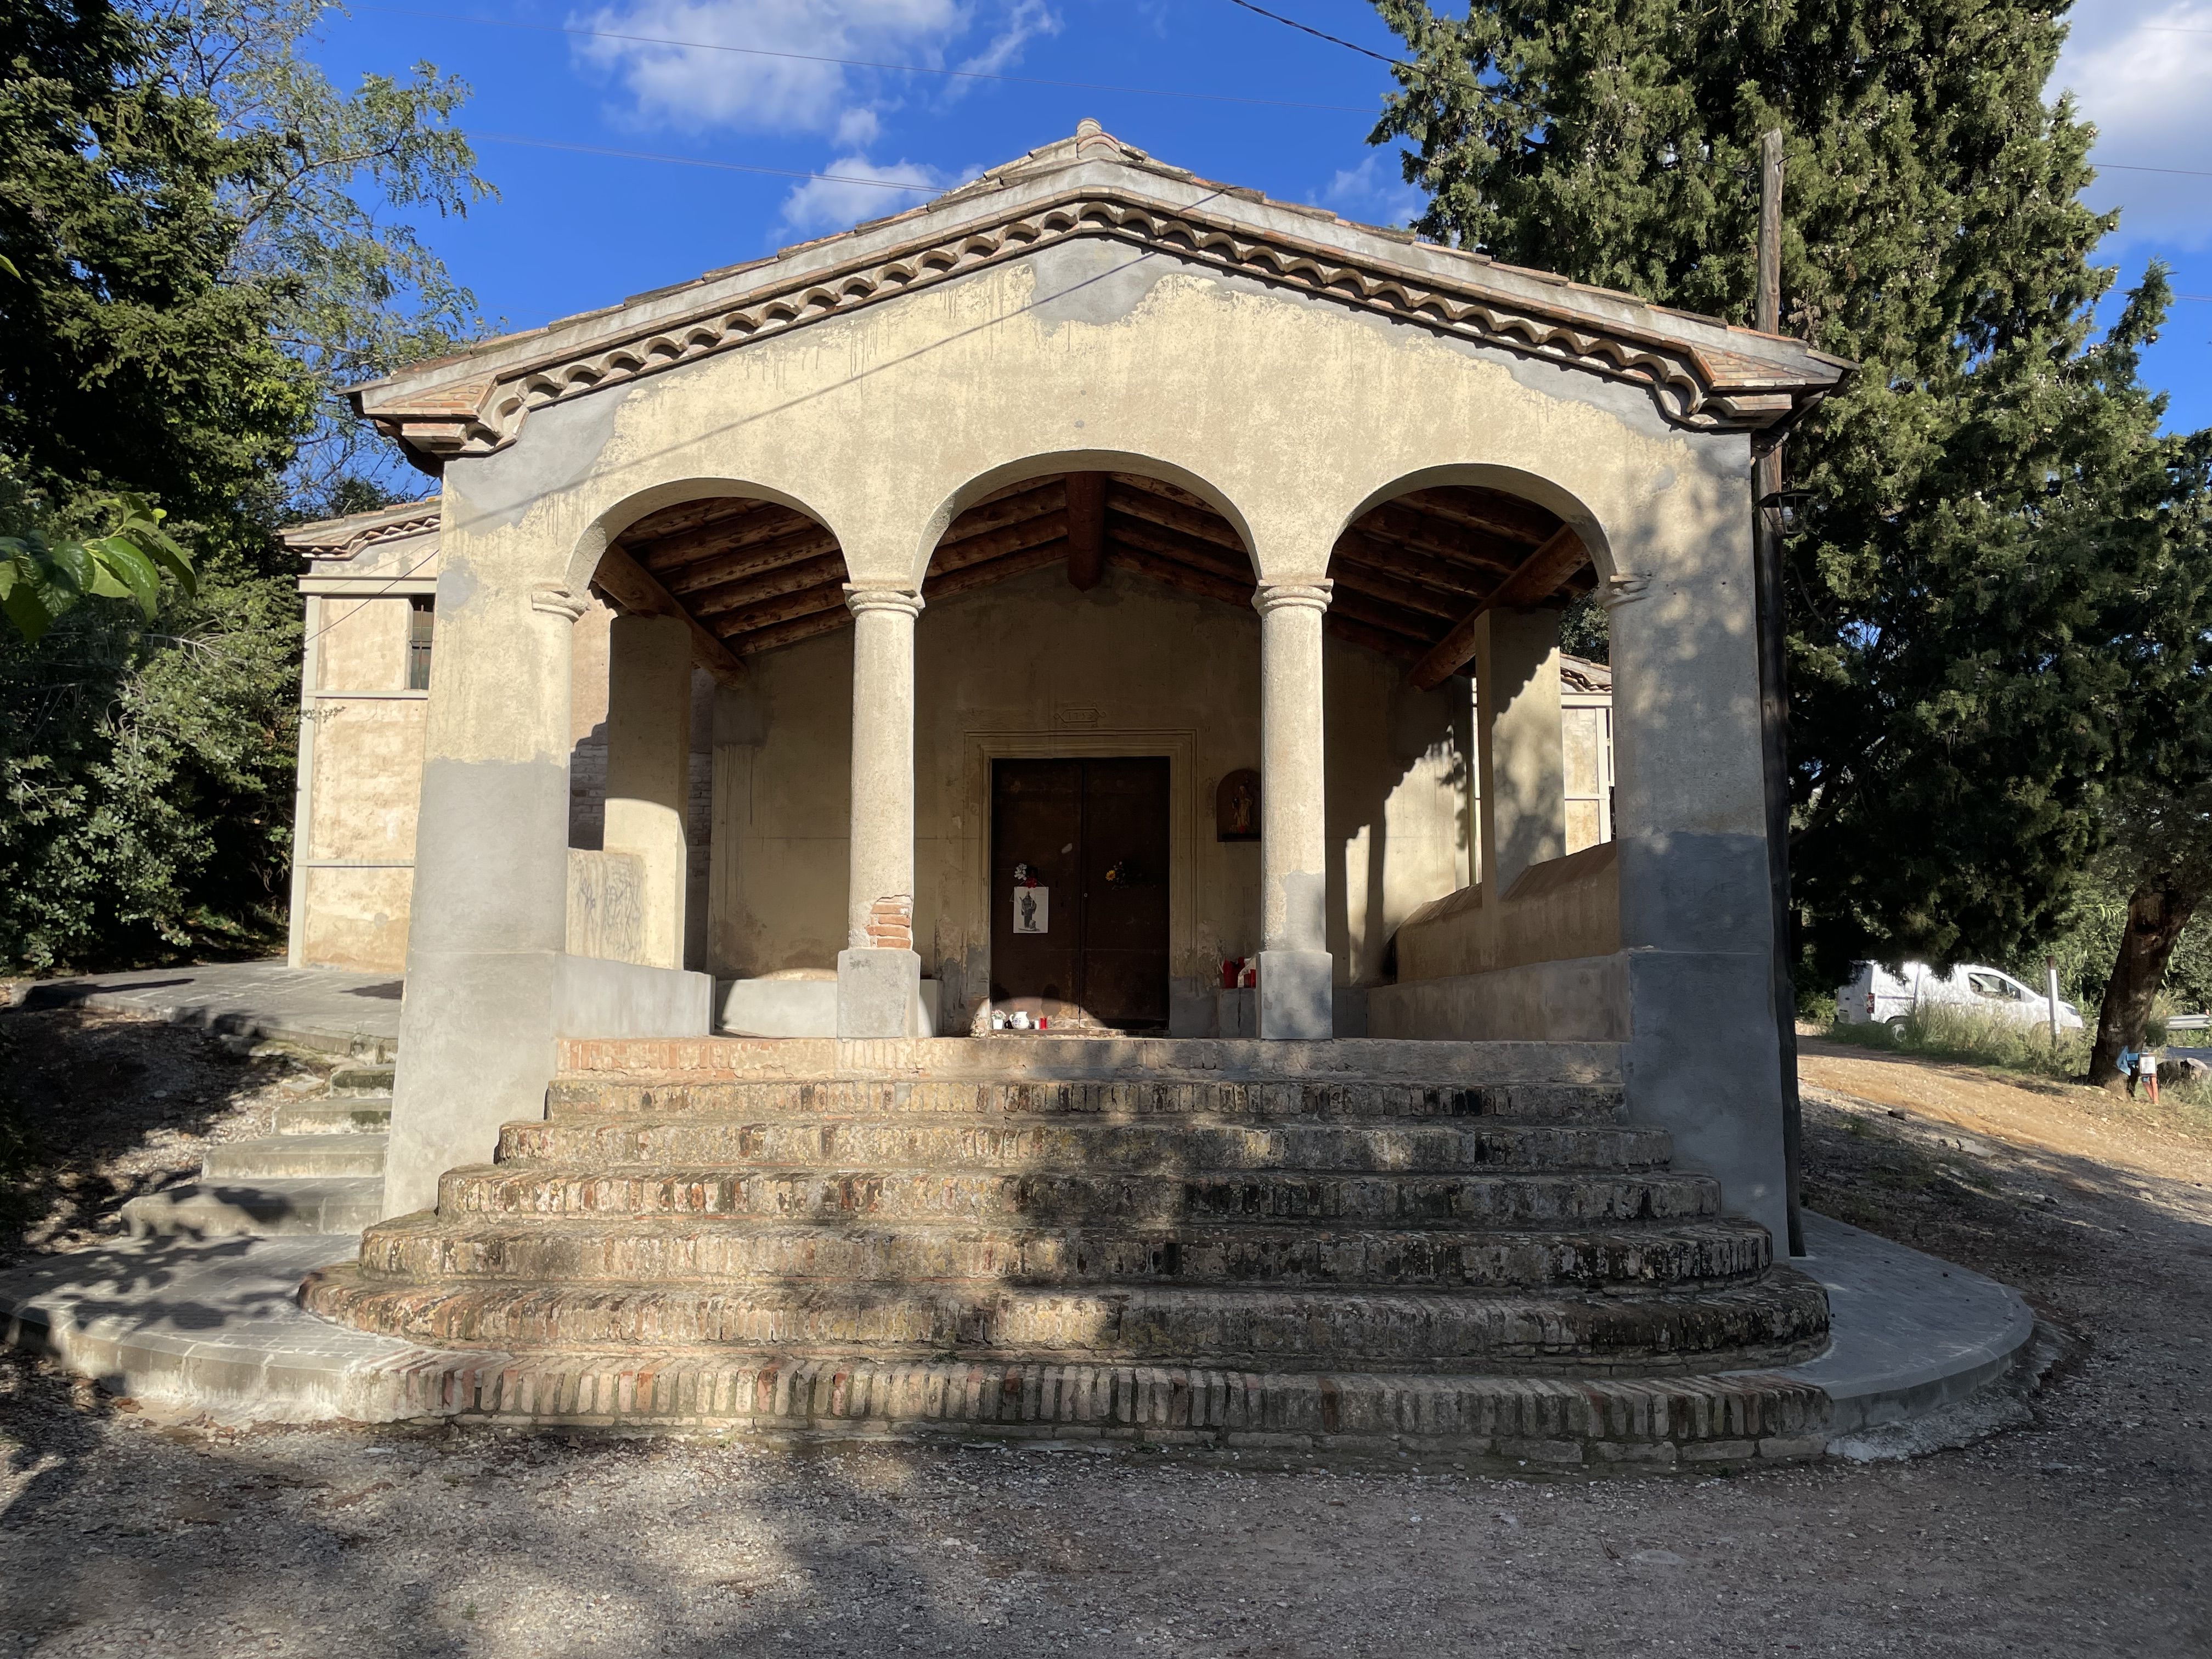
column 1877, row 995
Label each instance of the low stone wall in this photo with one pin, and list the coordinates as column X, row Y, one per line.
column 606, row 905
column 1585, row 1000
column 1542, row 965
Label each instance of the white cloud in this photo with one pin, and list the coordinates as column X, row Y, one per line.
column 697, row 87
column 2139, row 72
column 1027, row 20
column 1373, row 192
column 836, row 202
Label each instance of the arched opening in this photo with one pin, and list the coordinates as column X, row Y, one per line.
column 753, row 574
column 1086, row 895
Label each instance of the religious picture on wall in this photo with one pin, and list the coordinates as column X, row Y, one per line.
column 1236, row 806
column 1033, row 909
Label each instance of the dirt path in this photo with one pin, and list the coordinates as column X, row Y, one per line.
column 2086, row 1533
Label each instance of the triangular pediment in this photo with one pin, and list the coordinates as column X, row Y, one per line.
column 1700, row 373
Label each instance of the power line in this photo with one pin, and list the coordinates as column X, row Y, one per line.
column 1308, row 28
column 859, row 62
column 701, row 161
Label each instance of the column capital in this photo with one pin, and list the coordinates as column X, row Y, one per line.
column 1305, row 595
column 860, row 600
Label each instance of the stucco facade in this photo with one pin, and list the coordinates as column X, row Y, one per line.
column 1091, row 458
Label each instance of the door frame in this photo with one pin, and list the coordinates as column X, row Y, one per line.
column 980, row 748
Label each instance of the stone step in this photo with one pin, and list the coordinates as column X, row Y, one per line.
column 361, row 1080
column 1375, row 1199
column 288, row 1156
column 774, row 1251
column 1092, row 1148
column 228, row 1209
column 1780, row 1320
column 1602, row 1424
column 354, row 1114
column 1122, row 1100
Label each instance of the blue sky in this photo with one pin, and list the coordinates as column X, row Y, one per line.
column 573, row 231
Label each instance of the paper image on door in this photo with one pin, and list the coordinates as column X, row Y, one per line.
column 1033, row 909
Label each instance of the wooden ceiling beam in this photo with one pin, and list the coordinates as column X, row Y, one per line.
column 1006, row 566
column 1536, row 580
column 994, row 543
column 1445, row 576
column 1438, row 536
column 769, row 584
column 1031, row 501
column 686, row 516
column 805, row 602
column 632, row 587
column 791, row 632
column 1407, row 596
column 1492, row 511
column 1210, row 557
column 1201, row 524
column 1164, row 490
column 664, row 554
column 811, row 543
column 1173, row 573
column 1377, row 613
column 1086, row 529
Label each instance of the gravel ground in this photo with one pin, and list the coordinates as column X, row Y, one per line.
column 2084, row 1532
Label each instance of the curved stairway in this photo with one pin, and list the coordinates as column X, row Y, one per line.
column 957, row 1240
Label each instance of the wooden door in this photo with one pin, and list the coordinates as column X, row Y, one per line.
column 1094, row 834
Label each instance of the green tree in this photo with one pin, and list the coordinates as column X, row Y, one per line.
column 1986, row 493
column 211, row 239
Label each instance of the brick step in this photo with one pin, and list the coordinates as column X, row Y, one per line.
column 1384, row 1199
column 1120, row 1101
column 773, row 1251
column 1093, row 1148
column 232, row 1209
column 1010, row 1058
column 1735, row 1418
column 1781, row 1319
column 362, row 1080
column 285, row 1156
column 357, row 1113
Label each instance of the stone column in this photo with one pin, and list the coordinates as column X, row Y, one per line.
column 1703, row 1060
column 488, row 920
column 1297, row 996
column 649, row 768
column 879, row 972
column 1519, row 752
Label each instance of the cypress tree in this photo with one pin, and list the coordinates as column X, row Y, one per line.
column 1988, row 496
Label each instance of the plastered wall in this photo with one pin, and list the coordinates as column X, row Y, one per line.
column 366, row 779
column 1033, row 668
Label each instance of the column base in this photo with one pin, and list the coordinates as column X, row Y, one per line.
column 878, row 992
column 1298, row 994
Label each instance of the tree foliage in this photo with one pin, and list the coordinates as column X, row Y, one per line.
column 1990, row 535
column 210, row 239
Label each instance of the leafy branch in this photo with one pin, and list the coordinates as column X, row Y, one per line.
column 40, row 577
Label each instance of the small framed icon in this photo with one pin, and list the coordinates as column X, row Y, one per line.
column 1033, row 909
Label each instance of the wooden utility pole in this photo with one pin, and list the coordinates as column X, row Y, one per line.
column 1774, row 682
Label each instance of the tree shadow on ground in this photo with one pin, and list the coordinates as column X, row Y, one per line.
column 96, row 1109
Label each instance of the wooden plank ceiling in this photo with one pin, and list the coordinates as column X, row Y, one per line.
column 1410, row 575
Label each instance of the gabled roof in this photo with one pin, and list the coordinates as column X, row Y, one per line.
column 1702, row 373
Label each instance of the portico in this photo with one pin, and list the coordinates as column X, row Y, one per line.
column 1090, row 457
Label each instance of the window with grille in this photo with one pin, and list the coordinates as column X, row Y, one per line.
column 421, row 617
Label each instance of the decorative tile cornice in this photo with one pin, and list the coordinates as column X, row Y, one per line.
column 1695, row 383
column 349, row 538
